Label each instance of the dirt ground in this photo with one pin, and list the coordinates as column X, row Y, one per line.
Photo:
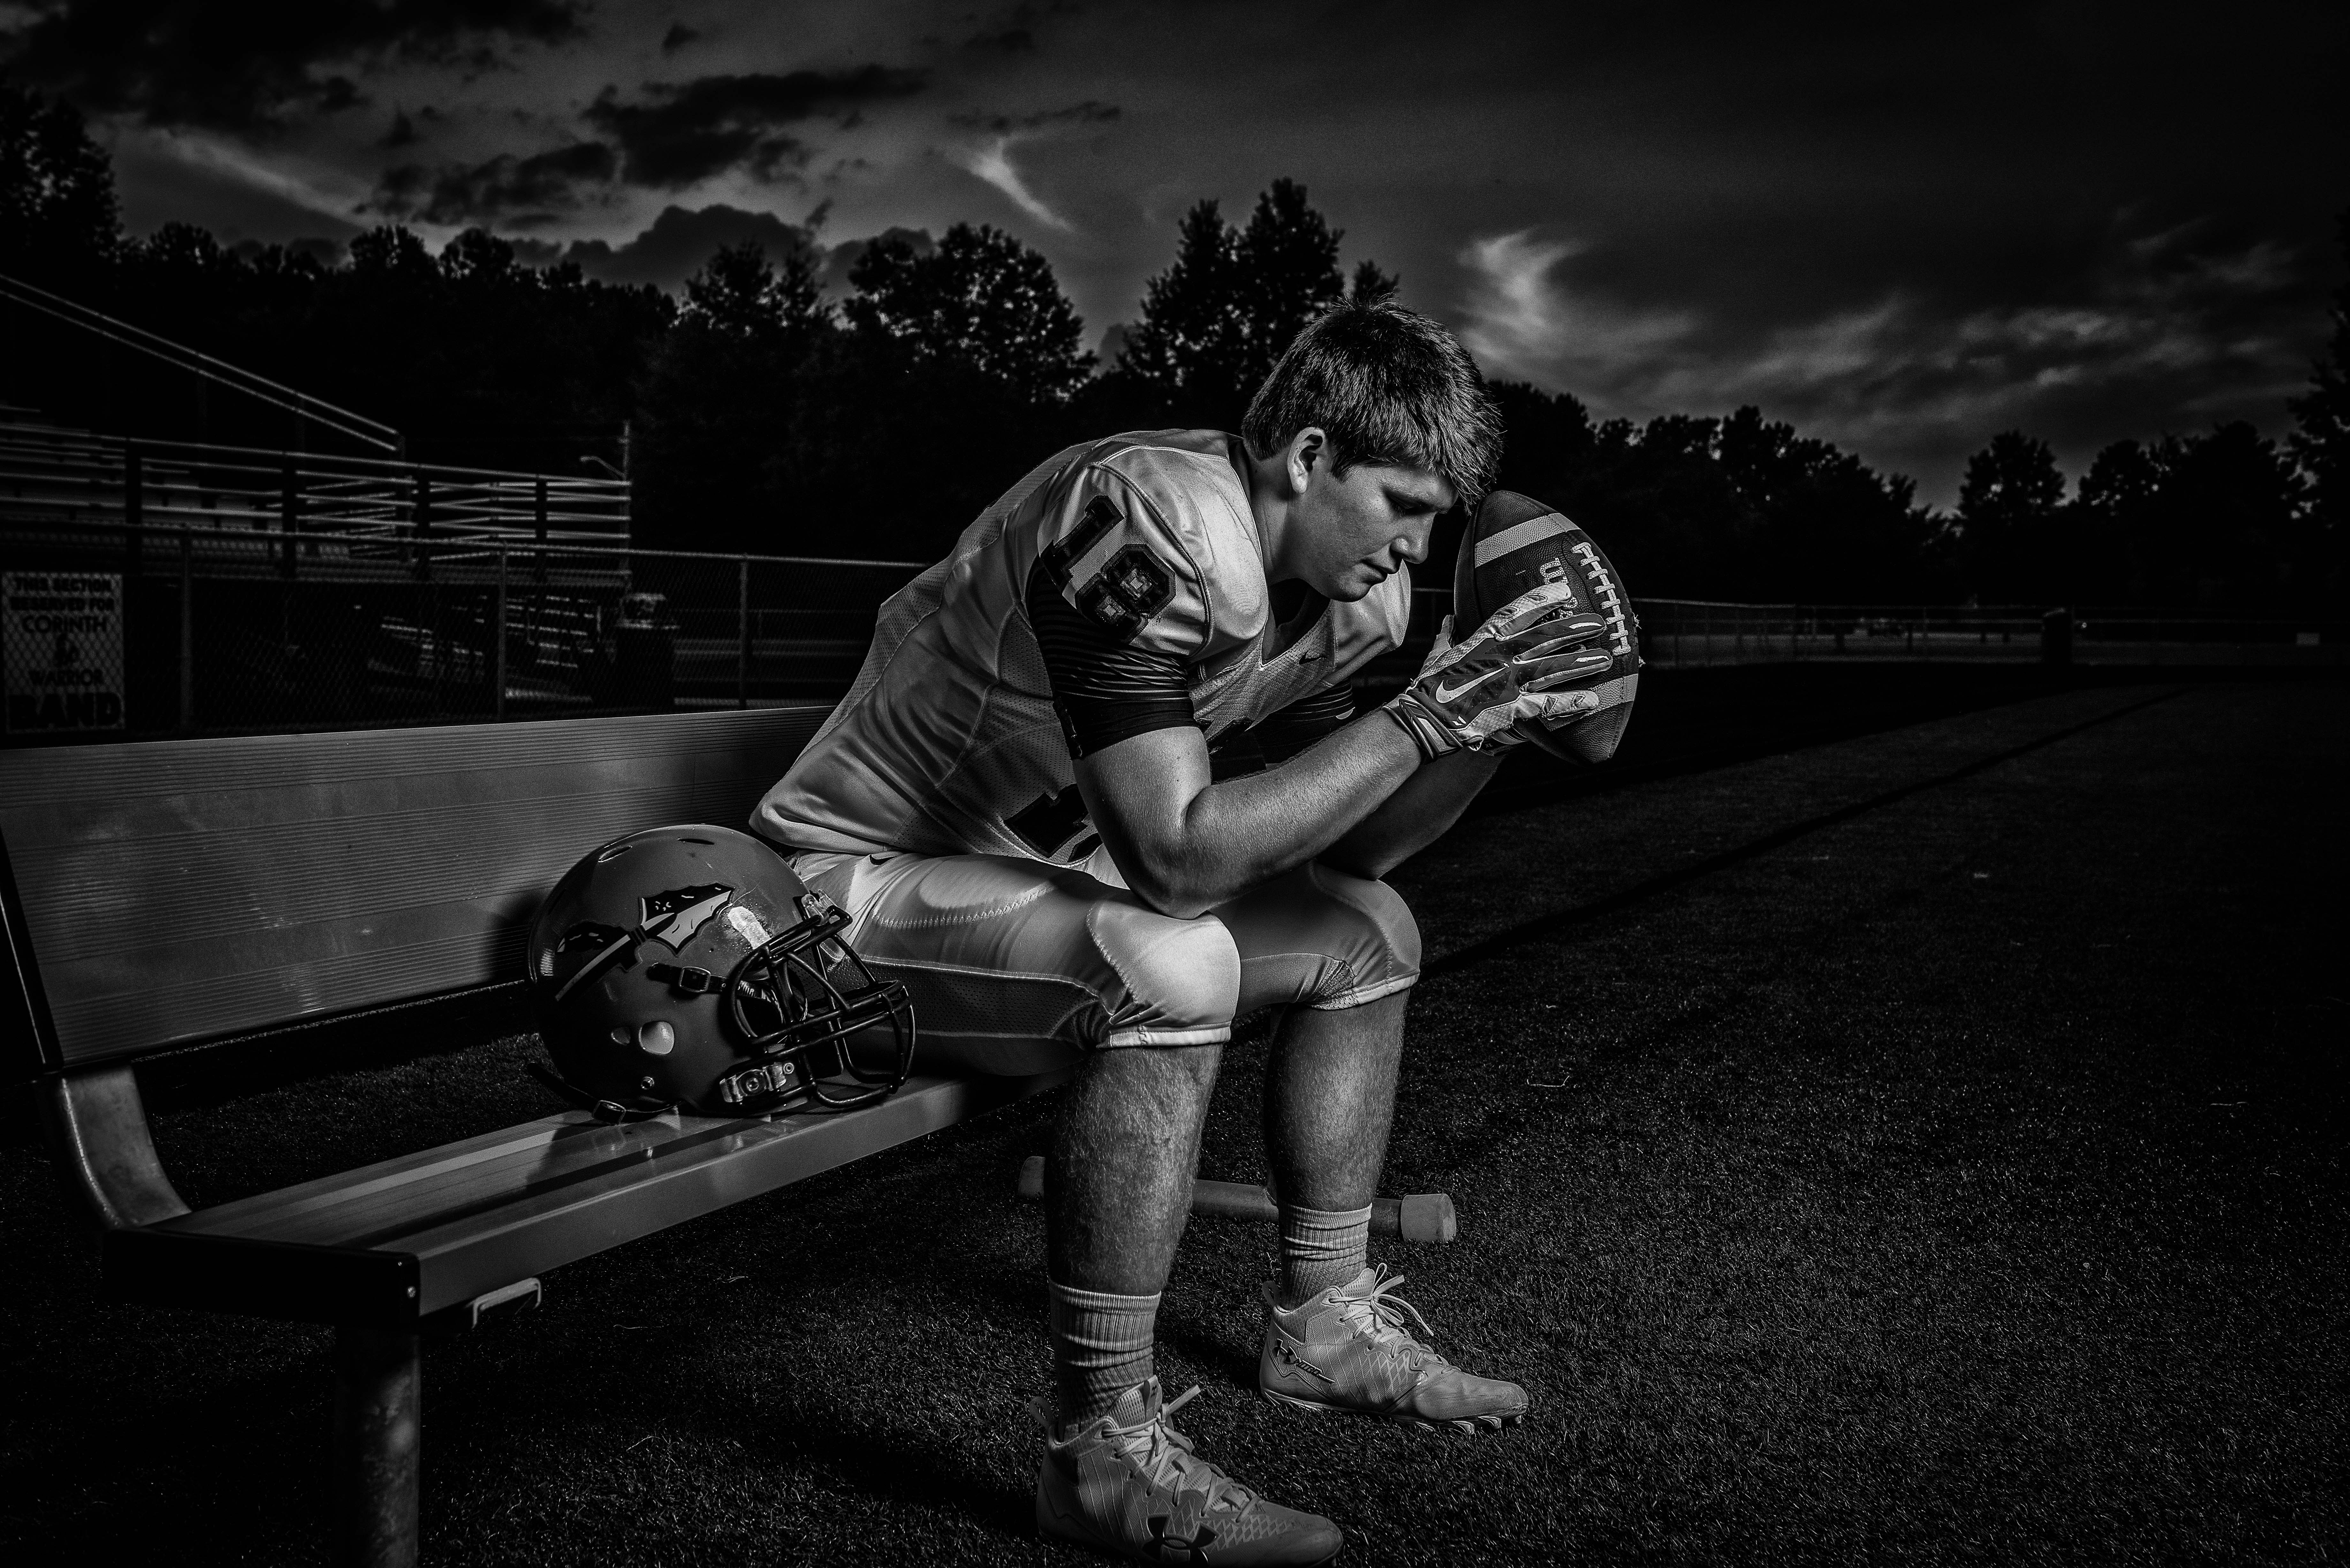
column 1924, row 1145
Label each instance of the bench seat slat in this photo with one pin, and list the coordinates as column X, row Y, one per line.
column 465, row 1259
column 323, row 985
column 486, row 1211
column 105, row 895
column 181, row 891
column 69, row 779
column 318, row 1211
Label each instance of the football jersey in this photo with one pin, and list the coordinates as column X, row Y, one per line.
column 949, row 742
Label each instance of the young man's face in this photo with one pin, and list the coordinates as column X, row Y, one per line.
column 1351, row 532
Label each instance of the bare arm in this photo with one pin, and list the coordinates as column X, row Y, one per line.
column 1415, row 816
column 1186, row 845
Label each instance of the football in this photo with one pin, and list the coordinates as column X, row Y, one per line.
column 1515, row 544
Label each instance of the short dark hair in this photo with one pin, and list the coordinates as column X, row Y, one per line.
column 1391, row 386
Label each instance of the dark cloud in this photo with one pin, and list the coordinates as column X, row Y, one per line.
column 402, row 133
column 1090, row 112
column 518, row 191
column 251, row 67
column 1904, row 227
column 1013, row 33
column 1906, row 231
column 687, row 132
column 680, row 241
column 2174, row 329
column 677, row 37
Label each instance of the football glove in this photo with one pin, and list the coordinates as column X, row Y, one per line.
column 1471, row 694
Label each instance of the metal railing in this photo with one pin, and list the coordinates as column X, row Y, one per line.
column 1695, row 633
column 67, row 479
column 109, row 630
column 185, row 631
column 315, row 412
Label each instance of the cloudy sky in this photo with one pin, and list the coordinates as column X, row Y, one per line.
column 1904, row 228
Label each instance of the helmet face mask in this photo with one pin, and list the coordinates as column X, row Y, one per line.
column 688, row 968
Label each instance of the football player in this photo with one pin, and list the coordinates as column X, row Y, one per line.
column 1099, row 790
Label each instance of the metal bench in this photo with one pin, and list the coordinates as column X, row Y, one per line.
column 166, row 895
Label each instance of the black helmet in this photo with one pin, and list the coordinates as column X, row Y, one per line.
column 687, row 967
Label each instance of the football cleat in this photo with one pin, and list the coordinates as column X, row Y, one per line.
column 1127, row 1483
column 1347, row 1348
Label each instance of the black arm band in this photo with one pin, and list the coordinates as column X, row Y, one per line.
column 1279, row 736
column 1285, row 734
column 1107, row 691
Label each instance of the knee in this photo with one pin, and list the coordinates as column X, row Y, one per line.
column 1388, row 935
column 1180, row 979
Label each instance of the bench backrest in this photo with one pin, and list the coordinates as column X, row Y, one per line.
column 178, row 891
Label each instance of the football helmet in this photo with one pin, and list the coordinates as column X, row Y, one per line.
column 688, row 968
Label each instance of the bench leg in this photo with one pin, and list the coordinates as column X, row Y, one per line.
column 377, row 1414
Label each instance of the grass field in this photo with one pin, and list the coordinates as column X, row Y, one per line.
column 1924, row 1143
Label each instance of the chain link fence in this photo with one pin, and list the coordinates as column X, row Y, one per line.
column 1695, row 633
column 188, row 632
column 111, row 631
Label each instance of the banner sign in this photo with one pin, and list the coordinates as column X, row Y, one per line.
column 61, row 641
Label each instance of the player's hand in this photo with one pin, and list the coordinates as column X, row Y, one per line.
column 1473, row 694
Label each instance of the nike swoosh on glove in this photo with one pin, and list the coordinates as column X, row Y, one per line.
column 1471, row 694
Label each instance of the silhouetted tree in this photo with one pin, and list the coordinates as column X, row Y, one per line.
column 2009, row 507
column 59, row 218
column 981, row 298
column 718, row 407
column 1372, row 282
column 1190, row 348
column 1216, row 321
column 477, row 356
column 740, row 294
column 1289, row 272
column 1822, row 526
column 2215, row 521
column 1742, row 508
column 391, row 251
column 2321, row 443
column 766, row 426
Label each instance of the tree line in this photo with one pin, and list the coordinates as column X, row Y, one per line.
column 763, row 416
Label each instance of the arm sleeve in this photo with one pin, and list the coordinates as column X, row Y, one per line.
column 1118, row 612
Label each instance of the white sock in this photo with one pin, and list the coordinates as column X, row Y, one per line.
column 1321, row 1247
column 1101, row 1348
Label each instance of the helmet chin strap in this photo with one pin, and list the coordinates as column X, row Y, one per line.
column 788, row 1087
column 603, row 1110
